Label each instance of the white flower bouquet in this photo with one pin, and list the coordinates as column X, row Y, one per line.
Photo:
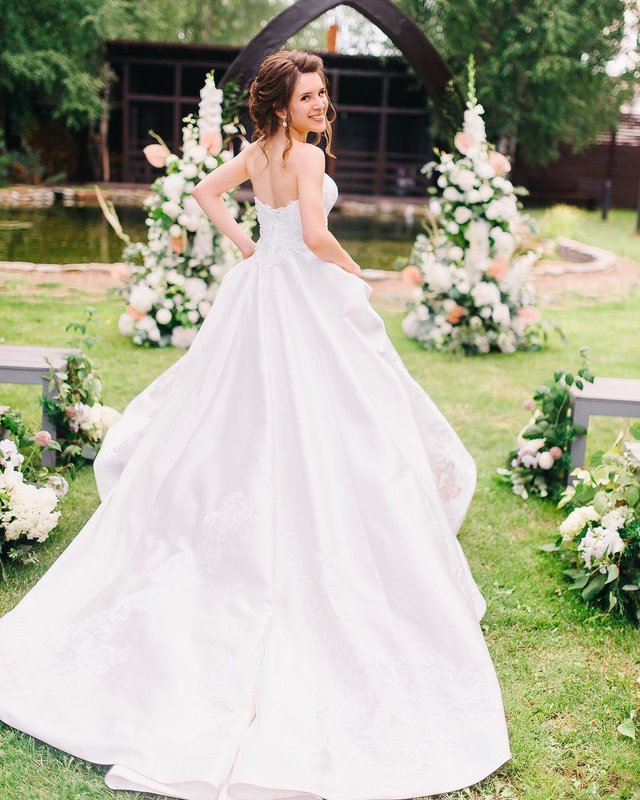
column 171, row 280
column 600, row 537
column 473, row 290
column 28, row 510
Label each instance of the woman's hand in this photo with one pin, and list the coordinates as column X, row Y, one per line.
column 247, row 248
column 353, row 267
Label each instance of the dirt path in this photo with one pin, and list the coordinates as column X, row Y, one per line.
column 391, row 292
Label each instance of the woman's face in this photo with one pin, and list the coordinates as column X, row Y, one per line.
column 308, row 105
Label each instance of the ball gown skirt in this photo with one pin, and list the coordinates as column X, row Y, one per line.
column 270, row 600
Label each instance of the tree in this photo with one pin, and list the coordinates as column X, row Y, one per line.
column 542, row 66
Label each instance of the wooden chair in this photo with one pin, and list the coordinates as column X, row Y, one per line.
column 26, row 364
column 605, row 397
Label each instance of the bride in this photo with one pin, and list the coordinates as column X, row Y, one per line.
column 270, row 600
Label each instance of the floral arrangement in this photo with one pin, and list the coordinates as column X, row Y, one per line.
column 540, row 463
column 600, row 537
column 473, row 290
column 29, row 493
column 81, row 420
column 171, row 280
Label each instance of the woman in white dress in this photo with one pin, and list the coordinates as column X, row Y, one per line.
column 270, row 600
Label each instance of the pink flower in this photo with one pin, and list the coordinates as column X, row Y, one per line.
column 498, row 269
column 70, row 412
column 43, row 438
column 529, row 404
column 556, row 452
column 464, row 142
column 212, row 142
column 500, row 163
column 156, row 154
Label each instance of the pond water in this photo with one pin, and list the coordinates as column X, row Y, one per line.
column 70, row 234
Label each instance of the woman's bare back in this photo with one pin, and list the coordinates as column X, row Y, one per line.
column 274, row 184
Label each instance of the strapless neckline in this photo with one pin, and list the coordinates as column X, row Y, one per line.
column 291, row 202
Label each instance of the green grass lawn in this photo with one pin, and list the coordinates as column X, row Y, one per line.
column 569, row 675
column 617, row 233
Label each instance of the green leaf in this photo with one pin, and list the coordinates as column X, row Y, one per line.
column 612, row 573
column 600, row 503
column 634, row 430
column 613, row 600
column 580, row 582
column 630, row 587
column 627, row 728
column 632, row 495
column 594, row 586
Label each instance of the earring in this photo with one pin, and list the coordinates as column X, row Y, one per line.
column 284, row 123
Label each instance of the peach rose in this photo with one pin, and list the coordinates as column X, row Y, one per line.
column 529, row 315
column 156, row 154
column 177, row 244
column 413, row 275
column 500, row 163
column 133, row 312
column 212, row 142
column 455, row 315
column 498, row 269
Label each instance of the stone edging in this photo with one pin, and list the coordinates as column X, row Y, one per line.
column 577, row 257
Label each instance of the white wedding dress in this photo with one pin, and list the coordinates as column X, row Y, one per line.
column 270, row 600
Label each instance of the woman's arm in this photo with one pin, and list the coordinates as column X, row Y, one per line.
column 208, row 194
column 316, row 235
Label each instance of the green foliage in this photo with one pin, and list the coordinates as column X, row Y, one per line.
column 548, row 435
column 75, row 385
column 604, row 503
column 541, row 66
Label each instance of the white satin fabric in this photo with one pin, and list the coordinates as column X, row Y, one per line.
column 270, row 600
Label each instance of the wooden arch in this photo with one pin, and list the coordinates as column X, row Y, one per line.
column 400, row 28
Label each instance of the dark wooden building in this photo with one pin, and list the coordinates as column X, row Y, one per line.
column 612, row 162
column 381, row 134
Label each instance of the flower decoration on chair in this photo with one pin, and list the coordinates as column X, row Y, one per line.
column 472, row 267
column 600, row 537
column 540, row 462
column 171, row 280
column 29, row 493
column 80, row 419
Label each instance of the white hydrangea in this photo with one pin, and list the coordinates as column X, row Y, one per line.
column 576, row 521
column 31, row 511
column 598, row 543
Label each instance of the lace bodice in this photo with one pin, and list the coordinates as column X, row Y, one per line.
column 281, row 228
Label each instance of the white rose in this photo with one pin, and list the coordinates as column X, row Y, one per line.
column 462, row 214
column 545, row 460
column 411, row 325
column 175, row 230
column 189, row 171
column 465, row 180
column 452, row 227
column 163, row 316
column 173, row 187
column 455, row 253
column 501, row 315
column 171, row 209
column 452, row 194
column 442, row 181
column 485, row 170
column 485, row 192
column 435, row 207
column 142, row 297
column 204, row 307
column 125, row 324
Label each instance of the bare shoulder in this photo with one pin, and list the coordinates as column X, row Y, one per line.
column 307, row 157
column 251, row 153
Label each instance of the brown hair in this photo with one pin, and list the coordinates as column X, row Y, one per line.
column 272, row 88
